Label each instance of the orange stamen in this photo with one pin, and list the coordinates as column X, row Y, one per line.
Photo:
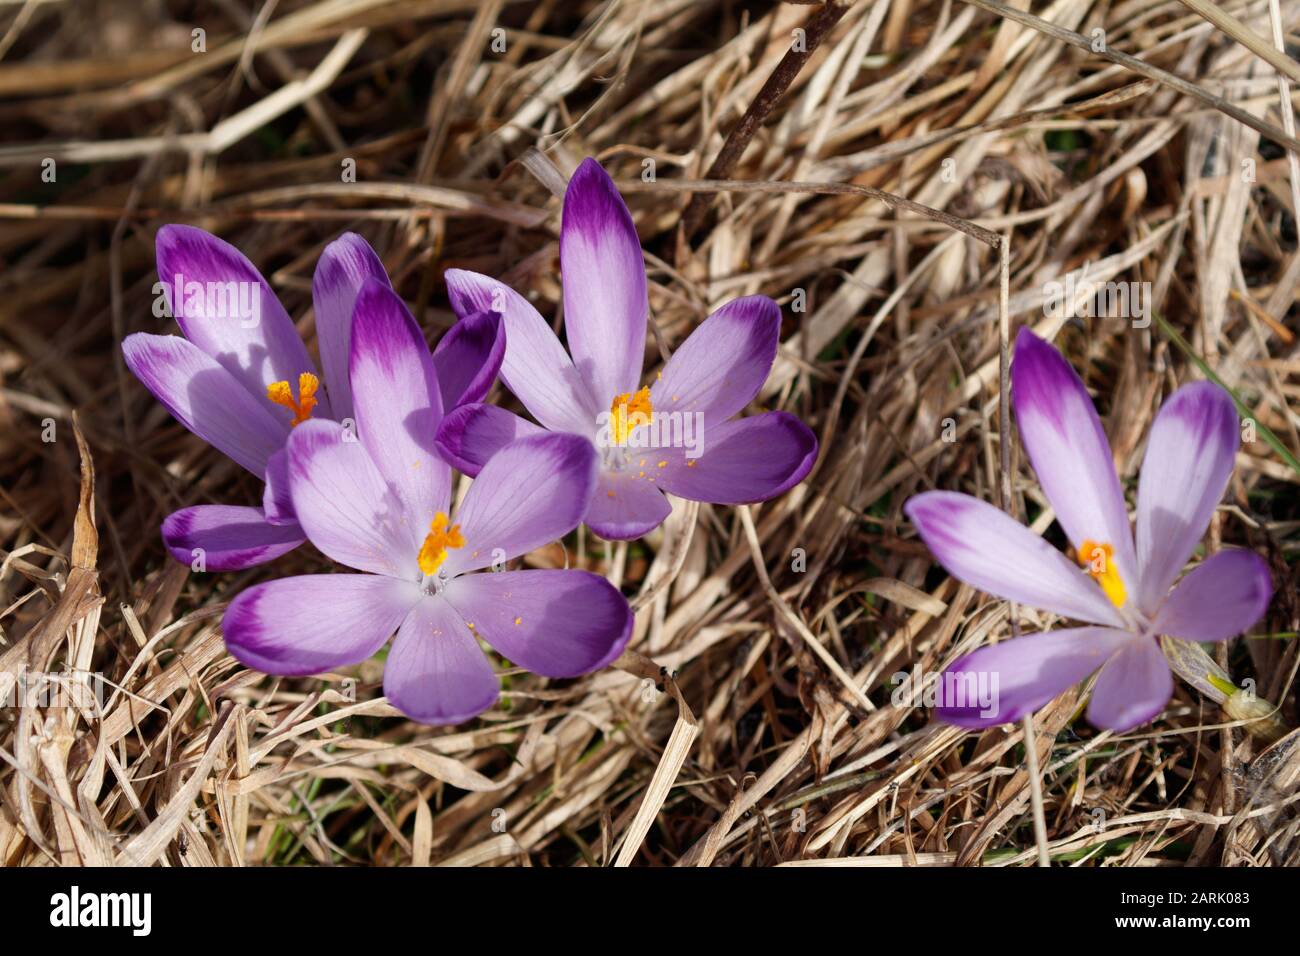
column 281, row 394
column 1099, row 560
column 629, row 411
column 437, row 542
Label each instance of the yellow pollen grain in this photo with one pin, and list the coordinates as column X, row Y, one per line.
column 629, row 411
column 440, row 539
column 1098, row 558
column 282, row 394
column 691, row 463
column 663, row 464
column 518, row 621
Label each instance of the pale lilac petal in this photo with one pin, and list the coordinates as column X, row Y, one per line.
column 626, row 506
column 347, row 507
column 315, row 622
column 553, row 623
column 205, row 398
column 1218, row 599
column 988, row 550
column 397, row 403
column 535, row 367
column 744, row 460
column 435, row 672
column 1185, row 470
column 226, row 538
column 471, row 434
column 1000, row 684
column 277, row 499
column 250, row 335
column 343, row 268
column 1065, row 442
column 468, row 358
column 721, row 366
column 1132, row 688
column 531, row 493
column 603, row 275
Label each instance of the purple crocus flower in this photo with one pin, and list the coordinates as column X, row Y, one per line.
column 679, row 434
column 1123, row 589
column 241, row 379
column 379, row 503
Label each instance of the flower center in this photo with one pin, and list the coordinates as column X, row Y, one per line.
column 1099, row 559
column 628, row 412
column 281, row 394
column 436, row 543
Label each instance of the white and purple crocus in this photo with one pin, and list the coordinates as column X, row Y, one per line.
column 679, row 434
column 240, row 377
column 1123, row 586
column 378, row 500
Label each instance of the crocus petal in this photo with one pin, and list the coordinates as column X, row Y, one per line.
column 535, row 366
column 744, row 460
column 603, row 274
column 1187, row 464
column 345, row 505
column 315, row 622
column 397, row 402
column 343, row 268
column 259, row 347
column 528, row 617
column 471, row 434
column 435, row 672
column 468, row 358
column 226, row 538
column 205, row 398
column 626, row 506
column 1132, row 688
column 1000, row 684
column 531, row 493
column 988, row 550
column 1218, row 599
column 277, row 500
column 721, row 366
column 1069, row 451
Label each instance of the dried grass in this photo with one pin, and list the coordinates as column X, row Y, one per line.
column 752, row 723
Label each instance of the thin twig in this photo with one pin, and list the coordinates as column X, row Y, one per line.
column 1275, row 56
column 1008, row 505
column 819, row 24
column 1171, row 80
